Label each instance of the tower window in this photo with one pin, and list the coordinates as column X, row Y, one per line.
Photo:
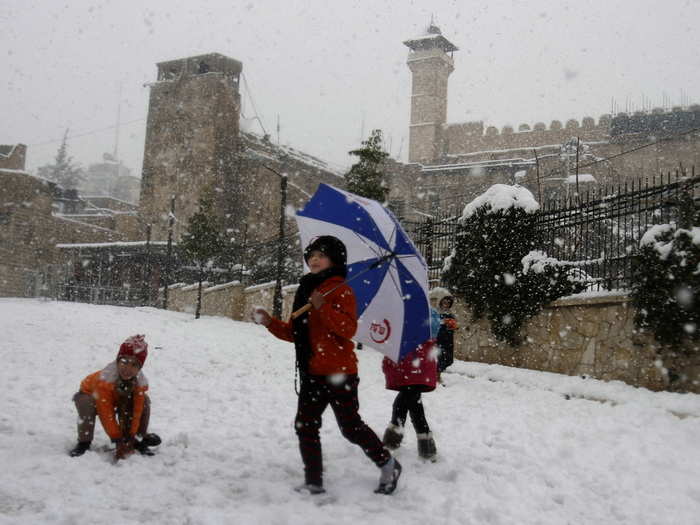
column 203, row 68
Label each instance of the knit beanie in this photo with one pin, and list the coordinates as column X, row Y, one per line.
column 134, row 346
column 331, row 247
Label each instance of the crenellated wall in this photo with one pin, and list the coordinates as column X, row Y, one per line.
column 470, row 137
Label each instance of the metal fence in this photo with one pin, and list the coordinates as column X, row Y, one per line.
column 597, row 234
column 434, row 238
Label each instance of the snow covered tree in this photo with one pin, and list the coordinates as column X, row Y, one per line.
column 63, row 171
column 366, row 177
column 495, row 266
column 666, row 284
column 204, row 242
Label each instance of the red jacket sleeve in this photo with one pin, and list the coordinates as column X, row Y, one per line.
column 339, row 312
column 280, row 329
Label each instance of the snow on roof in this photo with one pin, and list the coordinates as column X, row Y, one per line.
column 520, row 174
column 582, row 177
column 480, row 164
column 124, row 244
column 222, row 286
column 267, row 149
column 501, row 197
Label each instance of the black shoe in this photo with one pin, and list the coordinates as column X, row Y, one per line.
column 310, row 488
column 388, row 487
column 142, row 448
column 151, row 440
column 80, row 449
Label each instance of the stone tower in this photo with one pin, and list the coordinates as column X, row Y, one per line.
column 430, row 67
column 191, row 140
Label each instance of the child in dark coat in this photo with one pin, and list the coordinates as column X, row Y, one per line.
column 327, row 364
column 414, row 374
column 446, row 334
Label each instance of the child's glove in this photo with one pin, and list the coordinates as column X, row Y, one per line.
column 260, row 316
column 450, row 324
column 125, row 447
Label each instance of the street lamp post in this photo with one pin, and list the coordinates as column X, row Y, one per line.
column 277, row 297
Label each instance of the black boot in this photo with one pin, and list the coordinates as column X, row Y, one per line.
column 389, row 477
column 426, row 446
column 149, row 440
column 80, row 449
column 393, row 436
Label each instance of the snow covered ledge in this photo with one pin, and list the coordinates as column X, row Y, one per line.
column 590, row 334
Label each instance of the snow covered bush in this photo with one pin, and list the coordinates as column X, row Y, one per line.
column 666, row 283
column 495, row 267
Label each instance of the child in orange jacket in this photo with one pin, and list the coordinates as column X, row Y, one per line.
column 117, row 394
column 327, row 364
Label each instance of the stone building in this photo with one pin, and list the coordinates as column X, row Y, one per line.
column 194, row 145
column 36, row 215
column 451, row 163
column 110, row 178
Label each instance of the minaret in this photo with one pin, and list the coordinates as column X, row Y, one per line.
column 191, row 139
column 430, row 66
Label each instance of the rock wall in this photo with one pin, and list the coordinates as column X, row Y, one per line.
column 593, row 336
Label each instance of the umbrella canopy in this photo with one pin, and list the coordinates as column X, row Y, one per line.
column 385, row 270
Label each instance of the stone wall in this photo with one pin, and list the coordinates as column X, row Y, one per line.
column 592, row 336
column 231, row 300
column 12, row 157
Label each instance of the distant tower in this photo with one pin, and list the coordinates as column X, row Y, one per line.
column 430, row 66
column 191, row 139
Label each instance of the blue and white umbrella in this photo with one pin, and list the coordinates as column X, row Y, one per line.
column 385, row 270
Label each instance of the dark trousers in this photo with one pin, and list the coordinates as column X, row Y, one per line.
column 408, row 401
column 317, row 392
column 87, row 410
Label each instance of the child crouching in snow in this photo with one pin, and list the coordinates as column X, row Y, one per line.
column 118, row 395
column 327, row 364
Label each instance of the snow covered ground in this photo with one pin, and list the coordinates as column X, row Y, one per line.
column 516, row 446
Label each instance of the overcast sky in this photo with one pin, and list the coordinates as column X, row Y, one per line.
column 334, row 70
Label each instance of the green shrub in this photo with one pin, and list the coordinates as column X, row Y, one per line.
column 666, row 282
column 495, row 268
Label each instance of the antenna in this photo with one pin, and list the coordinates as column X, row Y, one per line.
column 116, row 131
column 278, row 129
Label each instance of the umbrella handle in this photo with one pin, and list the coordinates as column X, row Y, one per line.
column 301, row 311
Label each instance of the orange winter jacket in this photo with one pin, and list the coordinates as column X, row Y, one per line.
column 330, row 330
column 101, row 386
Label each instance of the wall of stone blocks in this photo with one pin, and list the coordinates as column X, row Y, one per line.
column 593, row 336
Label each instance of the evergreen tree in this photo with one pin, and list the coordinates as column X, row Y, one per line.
column 204, row 242
column 366, row 177
column 63, row 171
column 496, row 269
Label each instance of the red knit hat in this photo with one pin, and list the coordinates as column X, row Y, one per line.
column 134, row 346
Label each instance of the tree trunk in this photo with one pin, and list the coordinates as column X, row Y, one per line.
column 199, row 295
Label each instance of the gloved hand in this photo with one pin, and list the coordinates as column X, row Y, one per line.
column 450, row 324
column 317, row 299
column 125, row 447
